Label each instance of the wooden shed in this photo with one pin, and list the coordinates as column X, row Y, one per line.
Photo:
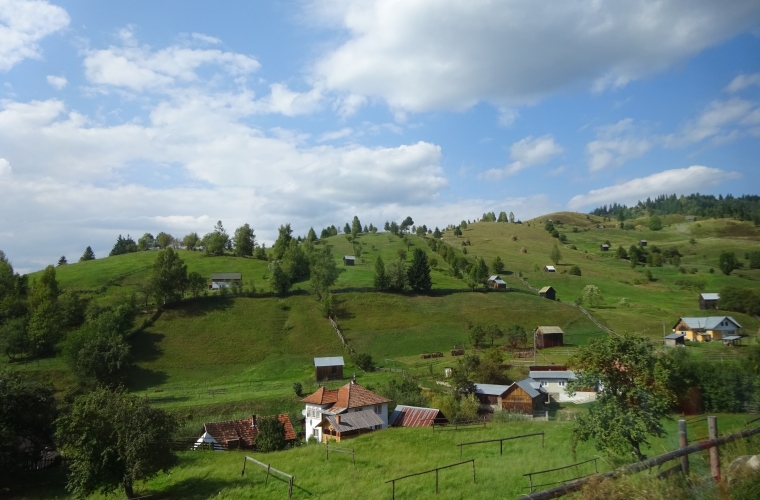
column 524, row 396
column 328, row 368
column 549, row 269
column 490, row 395
column 348, row 260
column 496, row 282
column 219, row 280
column 691, row 218
column 643, row 243
column 549, row 336
column 675, row 339
column 414, row 416
column 548, row 292
column 604, row 247
column 708, row 300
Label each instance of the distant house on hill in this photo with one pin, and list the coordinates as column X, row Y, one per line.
column 675, row 339
column 328, row 368
column 555, row 383
column 548, row 292
column 549, row 269
column 348, row 260
column 239, row 434
column 414, row 416
column 643, row 243
column 707, row 328
column 604, row 247
column 495, row 281
column 708, row 300
column 690, row 218
column 549, row 336
column 219, row 280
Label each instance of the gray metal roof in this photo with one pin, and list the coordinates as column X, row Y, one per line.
column 708, row 322
column 568, row 375
column 710, row 296
column 500, row 282
column 532, row 387
column 226, row 276
column 550, row 268
column 494, row 277
column 365, row 419
column 675, row 336
column 732, row 337
column 549, row 329
column 332, row 361
column 491, row 389
column 349, row 257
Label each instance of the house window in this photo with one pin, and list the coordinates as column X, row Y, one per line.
column 378, row 409
column 562, row 383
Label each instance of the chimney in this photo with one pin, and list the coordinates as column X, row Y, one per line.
column 337, row 419
column 253, row 420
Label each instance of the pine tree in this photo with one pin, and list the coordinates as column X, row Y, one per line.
column 437, row 233
column 62, row 261
column 381, row 280
column 419, row 272
column 87, row 255
column 312, row 236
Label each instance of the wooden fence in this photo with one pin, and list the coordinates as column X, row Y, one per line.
column 501, row 441
column 340, row 335
column 575, row 465
column 270, row 469
column 393, row 481
column 351, row 452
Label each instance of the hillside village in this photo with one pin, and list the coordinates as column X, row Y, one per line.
column 396, row 342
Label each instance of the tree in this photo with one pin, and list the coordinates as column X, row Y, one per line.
column 437, row 233
column 122, row 246
column 511, row 217
column 364, row 361
column 479, row 272
column 164, row 240
column 497, row 265
column 27, row 410
column 396, row 273
column 271, row 436
column 634, row 401
column 285, row 234
column 620, row 253
column 14, row 337
column 654, row 223
column 169, row 276
column 87, row 255
column 244, row 241
column 62, row 261
column 477, row 335
column 419, row 272
column 575, row 270
column 503, row 217
column 727, row 262
column 406, row 224
column 394, row 229
column 279, row 282
column 45, row 328
column 114, row 440
column 356, row 227
column 555, row 255
column 196, row 283
column 312, row 236
column 401, row 254
column 347, row 229
column 457, row 231
column 323, row 271
column 146, row 242
column 216, row 242
column 463, row 224
column 592, row 295
column 516, row 336
column 493, row 332
column 260, row 252
column 191, row 241
column 98, row 355
column 381, row 280
column 754, row 260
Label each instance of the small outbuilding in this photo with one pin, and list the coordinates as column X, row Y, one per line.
column 604, row 247
column 347, row 425
column 675, row 339
column 548, row 292
column 219, row 280
column 524, row 396
column 732, row 340
column 691, row 218
column 549, row 269
column 414, row 416
column 549, row 336
column 600, row 226
column 643, row 243
column 348, row 260
column 328, row 368
column 490, row 395
column 708, row 301
column 496, row 282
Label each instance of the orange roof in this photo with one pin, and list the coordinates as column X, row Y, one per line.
column 244, row 430
column 322, row 397
column 356, row 396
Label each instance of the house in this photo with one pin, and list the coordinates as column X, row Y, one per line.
column 495, row 281
column 490, row 395
column 690, row 218
column 348, row 260
column 219, row 280
column 675, row 339
column 328, row 368
column 643, row 243
column 349, row 399
column 708, row 300
column 604, row 247
column 342, row 426
column 555, row 383
column 549, row 269
column 548, row 292
column 414, row 416
column 239, row 434
column 707, row 328
column 548, row 336
column 524, row 396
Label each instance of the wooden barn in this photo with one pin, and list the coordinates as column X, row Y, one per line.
column 643, row 243
column 524, row 396
column 219, row 280
column 328, row 368
column 604, row 247
column 414, row 416
column 490, row 395
column 691, row 218
column 549, row 269
column 675, row 339
column 496, row 282
column 548, row 292
column 708, row 301
column 549, row 336
column 348, row 260
column 241, row 434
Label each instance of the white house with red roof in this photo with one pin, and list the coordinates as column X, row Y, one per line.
column 350, row 398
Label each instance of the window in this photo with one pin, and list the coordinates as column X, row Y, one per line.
column 562, row 383
column 378, row 409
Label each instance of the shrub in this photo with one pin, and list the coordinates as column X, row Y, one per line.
column 271, row 436
column 575, row 271
column 364, row 361
column 523, row 250
column 297, row 388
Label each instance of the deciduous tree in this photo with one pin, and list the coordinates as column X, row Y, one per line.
column 191, row 241
column 169, row 276
column 555, row 255
column 727, row 262
column 146, row 242
column 271, row 436
column 323, row 272
column 381, row 280
column 244, row 241
column 164, row 240
column 592, row 296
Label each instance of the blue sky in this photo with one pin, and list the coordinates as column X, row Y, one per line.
column 133, row 117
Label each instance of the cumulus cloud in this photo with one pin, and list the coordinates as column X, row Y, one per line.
column 335, row 134
column 448, row 54
column 289, row 103
column 57, row 82
column 5, row 167
column 743, row 81
column 712, row 122
column 615, row 145
column 22, row 25
column 680, row 181
column 526, row 153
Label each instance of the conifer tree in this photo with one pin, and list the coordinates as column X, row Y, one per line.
column 419, row 272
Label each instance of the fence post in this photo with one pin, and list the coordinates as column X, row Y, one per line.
column 243, row 473
column 436, row 481
column 712, row 429
column 267, row 479
column 393, row 490
column 473, row 470
column 683, row 443
column 290, row 486
column 542, row 439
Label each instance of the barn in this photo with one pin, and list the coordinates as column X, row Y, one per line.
column 524, row 396
column 549, row 269
column 643, row 243
column 548, row 292
column 348, row 260
column 604, row 247
column 708, row 301
column 219, row 280
column 328, row 368
column 549, row 336
column 495, row 281
column 675, row 339
column 414, row 416
column 490, row 395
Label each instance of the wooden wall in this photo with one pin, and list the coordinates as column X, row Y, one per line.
column 516, row 399
column 328, row 372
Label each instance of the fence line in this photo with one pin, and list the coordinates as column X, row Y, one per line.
column 269, row 469
column 525, row 282
column 501, row 441
column 531, row 474
column 340, row 335
column 339, row 450
column 393, row 481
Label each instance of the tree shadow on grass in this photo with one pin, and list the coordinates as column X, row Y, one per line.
column 142, row 379
column 202, row 306
column 204, row 488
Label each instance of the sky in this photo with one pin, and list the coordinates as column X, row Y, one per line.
column 148, row 116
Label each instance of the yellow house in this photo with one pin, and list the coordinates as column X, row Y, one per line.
column 707, row 328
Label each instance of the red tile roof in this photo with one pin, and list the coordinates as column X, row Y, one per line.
column 322, row 397
column 244, row 430
column 349, row 396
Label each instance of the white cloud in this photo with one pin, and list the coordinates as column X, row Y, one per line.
column 557, row 171
column 526, row 153
column 615, row 145
column 743, row 81
column 57, row 82
column 289, row 103
column 206, row 38
column 22, row 25
column 5, row 167
column 712, row 122
column 335, row 134
column 680, row 181
column 507, row 116
column 448, row 54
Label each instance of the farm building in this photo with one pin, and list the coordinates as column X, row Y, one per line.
column 549, row 336
column 240, row 434
column 555, row 383
column 708, row 300
column 219, row 280
column 524, row 396
column 351, row 398
column 643, row 243
column 604, row 247
column 495, row 281
column 600, row 226
column 347, row 425
column 328, row 368
column 549, row 269
column 207, row 442
column 690, row 218
column 348, row 260
column 490, row 395
column 707, row 328
column 414, row 416
column 732, row 340
column 548, row 292
column 675, row 339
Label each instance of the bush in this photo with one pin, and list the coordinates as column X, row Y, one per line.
column 271, row 436
column 364, row 361
column 297, row 388
column 575, row 271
